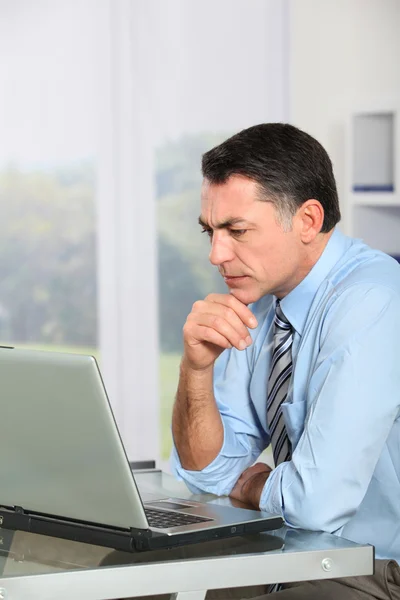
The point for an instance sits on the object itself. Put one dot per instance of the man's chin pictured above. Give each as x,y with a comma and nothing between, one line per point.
245,296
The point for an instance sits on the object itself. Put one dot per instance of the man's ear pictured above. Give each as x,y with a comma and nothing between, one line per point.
310,219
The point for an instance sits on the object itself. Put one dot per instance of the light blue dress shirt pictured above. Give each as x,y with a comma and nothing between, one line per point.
342,412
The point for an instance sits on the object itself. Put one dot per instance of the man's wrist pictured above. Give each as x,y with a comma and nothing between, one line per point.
189,369
253,488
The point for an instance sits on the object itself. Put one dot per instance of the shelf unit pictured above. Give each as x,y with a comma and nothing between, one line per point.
373,175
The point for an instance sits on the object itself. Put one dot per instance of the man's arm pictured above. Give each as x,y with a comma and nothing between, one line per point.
353,401
197,425
219,322
249,486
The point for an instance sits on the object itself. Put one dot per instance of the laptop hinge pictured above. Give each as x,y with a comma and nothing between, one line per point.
19,510
141,533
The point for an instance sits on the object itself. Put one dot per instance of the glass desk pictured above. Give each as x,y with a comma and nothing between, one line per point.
38,567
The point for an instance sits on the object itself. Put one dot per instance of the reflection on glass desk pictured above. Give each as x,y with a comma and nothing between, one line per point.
43,568
23,553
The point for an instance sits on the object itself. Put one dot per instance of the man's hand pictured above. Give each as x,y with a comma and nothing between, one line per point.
220,321
250,484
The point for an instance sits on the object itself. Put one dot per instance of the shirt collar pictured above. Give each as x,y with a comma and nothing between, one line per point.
297,303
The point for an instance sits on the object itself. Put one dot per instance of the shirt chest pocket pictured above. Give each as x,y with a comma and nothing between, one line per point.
294,415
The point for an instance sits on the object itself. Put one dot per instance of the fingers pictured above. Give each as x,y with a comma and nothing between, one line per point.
224,315
213,327
242,311
217,323
254,470
210,335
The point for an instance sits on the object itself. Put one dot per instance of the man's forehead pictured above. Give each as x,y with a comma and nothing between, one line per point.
230,221
234,202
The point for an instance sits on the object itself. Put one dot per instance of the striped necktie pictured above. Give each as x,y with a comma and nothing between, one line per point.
278,385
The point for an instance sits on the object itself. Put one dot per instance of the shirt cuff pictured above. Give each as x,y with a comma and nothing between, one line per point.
219,477
271,499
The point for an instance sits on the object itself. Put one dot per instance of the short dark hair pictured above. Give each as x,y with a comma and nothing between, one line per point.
289,165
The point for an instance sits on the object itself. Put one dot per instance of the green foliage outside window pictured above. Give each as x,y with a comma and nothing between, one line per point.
48,257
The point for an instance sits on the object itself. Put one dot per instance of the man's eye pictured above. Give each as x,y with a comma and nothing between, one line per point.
209,232
238,232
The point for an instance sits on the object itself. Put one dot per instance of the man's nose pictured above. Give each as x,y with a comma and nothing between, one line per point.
220,250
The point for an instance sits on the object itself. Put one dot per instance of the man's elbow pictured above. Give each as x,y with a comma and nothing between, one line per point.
315,514
193,459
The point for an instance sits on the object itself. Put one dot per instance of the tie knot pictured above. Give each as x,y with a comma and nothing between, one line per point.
280,319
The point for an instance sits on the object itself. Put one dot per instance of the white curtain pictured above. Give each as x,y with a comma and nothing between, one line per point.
168,69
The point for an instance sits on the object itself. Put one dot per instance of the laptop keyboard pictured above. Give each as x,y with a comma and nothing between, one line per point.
162,519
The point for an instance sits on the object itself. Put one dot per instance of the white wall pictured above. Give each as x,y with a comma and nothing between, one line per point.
343,54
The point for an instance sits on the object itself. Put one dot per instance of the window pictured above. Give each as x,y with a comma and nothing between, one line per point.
106,108
48,291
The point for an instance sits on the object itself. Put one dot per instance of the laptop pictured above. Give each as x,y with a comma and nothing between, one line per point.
64,471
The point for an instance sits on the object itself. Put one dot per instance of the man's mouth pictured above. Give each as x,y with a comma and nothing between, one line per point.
234,278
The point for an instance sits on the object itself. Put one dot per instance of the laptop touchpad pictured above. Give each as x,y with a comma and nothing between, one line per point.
149,497
171,505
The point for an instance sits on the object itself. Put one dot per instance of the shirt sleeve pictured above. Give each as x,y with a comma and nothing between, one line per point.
244,439
353,399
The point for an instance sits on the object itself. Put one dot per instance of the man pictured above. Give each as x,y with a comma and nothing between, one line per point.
303,353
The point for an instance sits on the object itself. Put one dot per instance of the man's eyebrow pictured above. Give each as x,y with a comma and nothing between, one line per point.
228,223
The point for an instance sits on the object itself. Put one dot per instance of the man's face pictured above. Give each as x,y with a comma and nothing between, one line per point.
248,245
